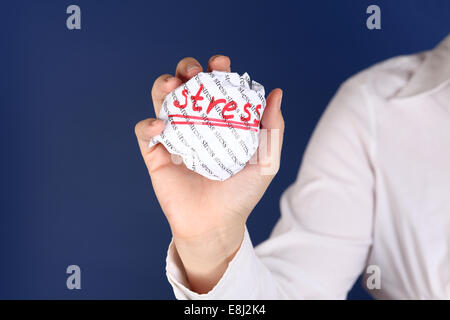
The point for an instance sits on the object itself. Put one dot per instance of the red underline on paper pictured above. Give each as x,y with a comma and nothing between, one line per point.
215,124
214,120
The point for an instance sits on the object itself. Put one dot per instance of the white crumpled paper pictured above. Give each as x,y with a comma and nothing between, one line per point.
212,122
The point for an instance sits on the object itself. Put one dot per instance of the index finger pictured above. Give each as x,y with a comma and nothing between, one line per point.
161,88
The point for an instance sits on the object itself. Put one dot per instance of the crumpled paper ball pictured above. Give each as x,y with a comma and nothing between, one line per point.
213,122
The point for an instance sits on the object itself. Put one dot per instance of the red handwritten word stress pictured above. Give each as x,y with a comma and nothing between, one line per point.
227,113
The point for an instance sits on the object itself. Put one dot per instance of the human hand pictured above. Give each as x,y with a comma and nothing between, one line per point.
207,217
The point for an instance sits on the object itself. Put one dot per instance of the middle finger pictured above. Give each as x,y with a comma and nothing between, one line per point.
187,68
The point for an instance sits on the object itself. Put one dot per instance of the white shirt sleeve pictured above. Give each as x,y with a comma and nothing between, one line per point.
320,244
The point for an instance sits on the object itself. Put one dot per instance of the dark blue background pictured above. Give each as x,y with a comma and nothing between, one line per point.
74,189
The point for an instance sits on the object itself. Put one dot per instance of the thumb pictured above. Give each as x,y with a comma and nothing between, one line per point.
272,117
271,135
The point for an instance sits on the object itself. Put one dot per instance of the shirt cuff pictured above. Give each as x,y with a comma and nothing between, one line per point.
234,283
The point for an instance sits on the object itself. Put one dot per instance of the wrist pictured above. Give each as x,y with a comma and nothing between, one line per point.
205,259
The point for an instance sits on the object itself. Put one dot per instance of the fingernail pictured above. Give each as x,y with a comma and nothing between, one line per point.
192,67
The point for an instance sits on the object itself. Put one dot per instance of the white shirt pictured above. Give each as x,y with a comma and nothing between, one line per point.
373,189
